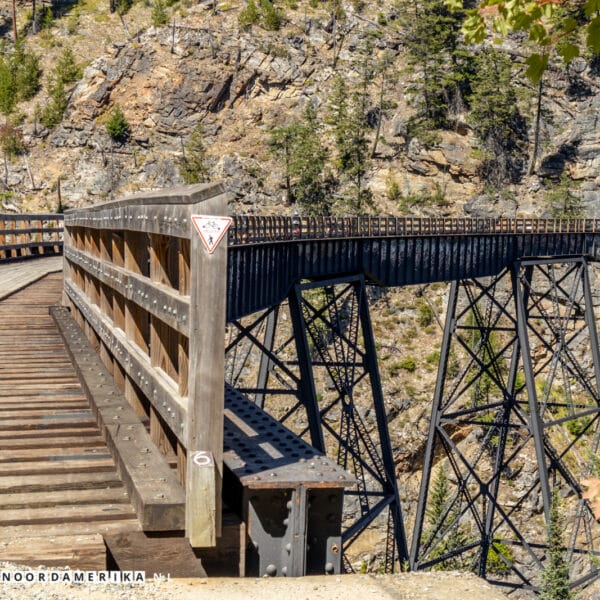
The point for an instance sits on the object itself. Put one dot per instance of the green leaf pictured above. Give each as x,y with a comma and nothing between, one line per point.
593,35
537,64
454,5
568,52
539,34
569,25
591,7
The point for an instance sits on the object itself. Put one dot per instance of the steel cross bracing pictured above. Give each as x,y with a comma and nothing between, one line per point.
515,421
324,334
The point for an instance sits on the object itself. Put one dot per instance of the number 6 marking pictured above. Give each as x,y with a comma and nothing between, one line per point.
202,458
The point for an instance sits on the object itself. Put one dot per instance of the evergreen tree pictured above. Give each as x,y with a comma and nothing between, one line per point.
495,118
66,68
562,201
555,576
443,517
348,116
54,110
117,126
8,88
27,72
19,77
434,51
159,14
193,165
299,147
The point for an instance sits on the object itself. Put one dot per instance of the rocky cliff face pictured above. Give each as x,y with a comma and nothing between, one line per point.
239,84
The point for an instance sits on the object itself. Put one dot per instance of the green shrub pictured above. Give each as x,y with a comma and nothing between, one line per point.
408,364
270,16
424,313
159,14
495,564
66,68
117,126
54,110
11,141
27,72
193,166
248,16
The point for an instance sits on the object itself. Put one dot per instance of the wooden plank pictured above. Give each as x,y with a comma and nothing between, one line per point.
137,366
161,301
206,395
85,552
49,499
228,558
137,551
165,212
16,276
76,513
59,481
75,528
153,488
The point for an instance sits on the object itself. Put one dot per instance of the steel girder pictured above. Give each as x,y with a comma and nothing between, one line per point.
324,333
515,421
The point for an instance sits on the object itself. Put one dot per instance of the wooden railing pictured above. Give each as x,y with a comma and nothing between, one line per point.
151,300
257,229
28,235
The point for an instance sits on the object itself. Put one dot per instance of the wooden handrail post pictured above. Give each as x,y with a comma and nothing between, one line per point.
204,475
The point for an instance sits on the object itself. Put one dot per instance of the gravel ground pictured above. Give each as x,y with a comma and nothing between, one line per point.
405,586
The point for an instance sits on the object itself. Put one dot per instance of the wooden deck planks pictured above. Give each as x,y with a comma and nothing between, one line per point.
59,489
15,276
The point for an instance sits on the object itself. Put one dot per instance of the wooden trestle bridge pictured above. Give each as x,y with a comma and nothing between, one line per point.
136,434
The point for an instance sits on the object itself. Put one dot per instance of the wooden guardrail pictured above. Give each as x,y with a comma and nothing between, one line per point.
27,235
257,229
151,299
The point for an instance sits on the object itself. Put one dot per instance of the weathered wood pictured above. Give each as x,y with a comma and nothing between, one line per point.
137,366
57,475
205,388
163,303
85,552
137,551
228,557
153,488
164,212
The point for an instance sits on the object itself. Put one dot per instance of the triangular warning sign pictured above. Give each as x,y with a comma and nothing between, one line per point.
211,229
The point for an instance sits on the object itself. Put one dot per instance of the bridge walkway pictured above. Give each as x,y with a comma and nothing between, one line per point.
59,487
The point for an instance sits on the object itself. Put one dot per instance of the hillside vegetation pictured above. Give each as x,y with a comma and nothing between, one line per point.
335,107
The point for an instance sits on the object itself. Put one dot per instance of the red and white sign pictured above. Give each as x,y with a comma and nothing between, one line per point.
211,229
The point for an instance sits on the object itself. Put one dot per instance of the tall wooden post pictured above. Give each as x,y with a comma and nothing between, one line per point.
208,288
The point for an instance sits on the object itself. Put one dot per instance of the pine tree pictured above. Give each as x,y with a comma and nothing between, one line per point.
193,167
117,126
434,51
443,517
555,577
495,118
54,110
348,116
300,148
66,68
563,201
159,14
8,88
27,72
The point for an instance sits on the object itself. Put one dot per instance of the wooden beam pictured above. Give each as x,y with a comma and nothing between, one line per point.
206,384
153,488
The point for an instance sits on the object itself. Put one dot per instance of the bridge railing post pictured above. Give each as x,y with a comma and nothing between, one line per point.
149,293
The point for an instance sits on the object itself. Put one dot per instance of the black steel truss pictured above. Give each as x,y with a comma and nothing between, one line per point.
515,420
325,334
